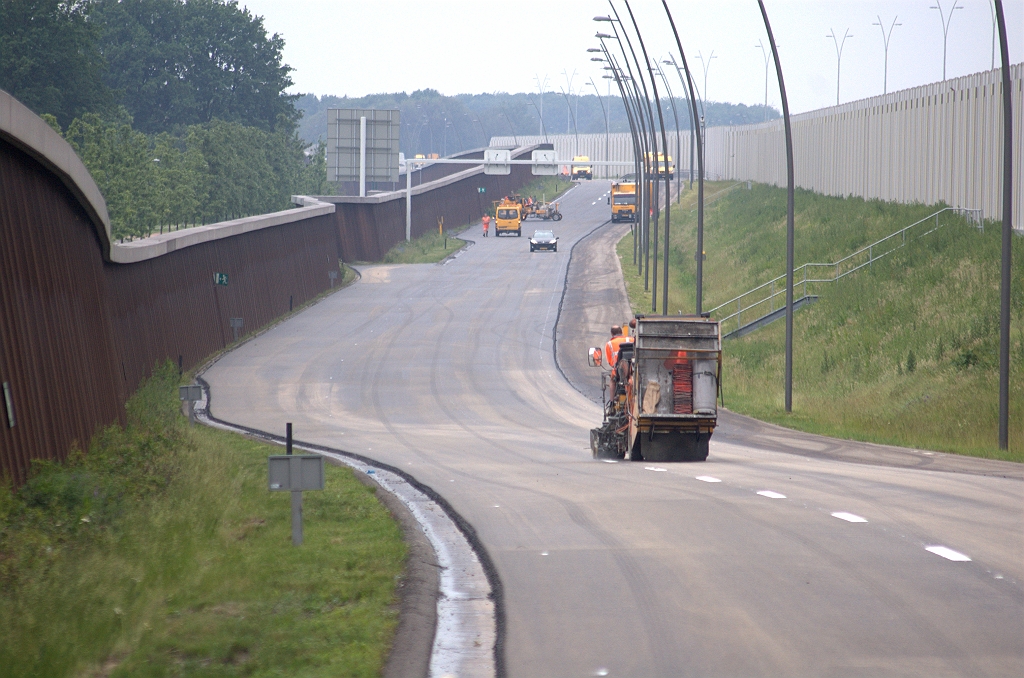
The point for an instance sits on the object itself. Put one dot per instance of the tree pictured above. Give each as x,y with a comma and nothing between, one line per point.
176,64
49,59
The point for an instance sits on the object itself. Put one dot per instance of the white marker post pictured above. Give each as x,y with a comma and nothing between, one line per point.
362,157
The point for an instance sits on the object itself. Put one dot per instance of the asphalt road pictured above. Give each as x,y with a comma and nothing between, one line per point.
630,569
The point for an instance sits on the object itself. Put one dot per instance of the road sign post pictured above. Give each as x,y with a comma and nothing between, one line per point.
190,394
295,473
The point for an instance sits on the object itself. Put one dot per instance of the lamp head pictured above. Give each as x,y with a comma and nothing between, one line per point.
594,49
603,18
602,36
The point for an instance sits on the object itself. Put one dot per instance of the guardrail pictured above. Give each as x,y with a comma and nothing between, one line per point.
763,300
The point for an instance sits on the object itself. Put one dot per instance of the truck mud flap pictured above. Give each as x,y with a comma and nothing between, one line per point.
671,446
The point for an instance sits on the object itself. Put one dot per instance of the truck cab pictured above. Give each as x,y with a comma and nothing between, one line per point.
623,201
582,171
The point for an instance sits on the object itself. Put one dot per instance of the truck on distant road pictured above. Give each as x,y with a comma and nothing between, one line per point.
623,201
661,400
582,171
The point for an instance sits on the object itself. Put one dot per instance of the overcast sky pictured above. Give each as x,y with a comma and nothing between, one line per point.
359,47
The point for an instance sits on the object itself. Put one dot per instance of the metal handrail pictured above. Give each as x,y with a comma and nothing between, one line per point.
843,267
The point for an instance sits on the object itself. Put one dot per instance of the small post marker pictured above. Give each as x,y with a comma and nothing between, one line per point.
295,473
190,394
236,325
333,275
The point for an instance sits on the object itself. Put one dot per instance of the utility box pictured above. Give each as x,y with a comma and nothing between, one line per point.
295,472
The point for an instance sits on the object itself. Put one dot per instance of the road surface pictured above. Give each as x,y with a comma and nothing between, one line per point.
783,554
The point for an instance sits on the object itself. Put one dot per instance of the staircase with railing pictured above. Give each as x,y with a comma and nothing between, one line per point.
765,303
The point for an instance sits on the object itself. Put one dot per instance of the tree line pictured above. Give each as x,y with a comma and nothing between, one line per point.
435,123
209,173
178,109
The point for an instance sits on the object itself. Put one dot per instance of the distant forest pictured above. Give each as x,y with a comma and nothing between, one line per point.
433,123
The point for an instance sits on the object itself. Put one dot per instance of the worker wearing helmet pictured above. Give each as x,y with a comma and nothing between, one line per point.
487,223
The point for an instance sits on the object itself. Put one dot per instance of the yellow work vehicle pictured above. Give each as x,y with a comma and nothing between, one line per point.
508,217
662,166
623,201
581,171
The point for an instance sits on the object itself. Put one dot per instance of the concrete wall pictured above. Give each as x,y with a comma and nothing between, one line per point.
83,319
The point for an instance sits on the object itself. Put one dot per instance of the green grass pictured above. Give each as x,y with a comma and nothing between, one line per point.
161,553
903,353
435,246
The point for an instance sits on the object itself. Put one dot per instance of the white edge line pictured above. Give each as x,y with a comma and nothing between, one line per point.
948,553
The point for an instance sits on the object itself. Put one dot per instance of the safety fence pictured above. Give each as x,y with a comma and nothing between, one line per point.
83,320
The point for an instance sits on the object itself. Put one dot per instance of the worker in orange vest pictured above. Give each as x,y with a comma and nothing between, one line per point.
611,349
487,223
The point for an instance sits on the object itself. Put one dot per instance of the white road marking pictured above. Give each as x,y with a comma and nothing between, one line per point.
654,468
849,517
610,461
771,495
708,479
948,553
543,553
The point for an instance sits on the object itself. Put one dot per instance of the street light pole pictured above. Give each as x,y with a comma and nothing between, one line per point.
541,86
675,115
604,112
1004,274
647,126
691,109
789,211
946,20
634,134
707,66
885,41
658,170
699,254
839,55
767,62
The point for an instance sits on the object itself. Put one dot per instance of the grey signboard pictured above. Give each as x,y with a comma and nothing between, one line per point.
293,473
343,144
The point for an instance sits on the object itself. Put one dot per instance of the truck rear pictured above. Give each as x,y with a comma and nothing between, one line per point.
623,201
663,399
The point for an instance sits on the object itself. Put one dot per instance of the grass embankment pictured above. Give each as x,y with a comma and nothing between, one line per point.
432,247
904,353
162,553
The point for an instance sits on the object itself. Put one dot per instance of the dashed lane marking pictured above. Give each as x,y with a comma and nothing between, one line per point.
655,468
708,479
948,553
771,495
849,517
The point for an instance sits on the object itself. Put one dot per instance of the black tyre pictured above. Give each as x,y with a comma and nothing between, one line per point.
555,248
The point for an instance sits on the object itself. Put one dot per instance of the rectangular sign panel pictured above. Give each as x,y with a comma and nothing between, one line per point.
290,472
343,138
550,166
496,161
